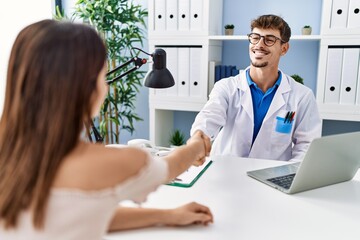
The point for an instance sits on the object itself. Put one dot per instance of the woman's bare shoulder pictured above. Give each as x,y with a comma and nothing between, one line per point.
95,167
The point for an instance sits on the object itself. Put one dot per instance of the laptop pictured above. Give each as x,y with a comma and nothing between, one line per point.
329,160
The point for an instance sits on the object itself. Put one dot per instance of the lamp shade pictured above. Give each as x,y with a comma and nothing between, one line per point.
159,76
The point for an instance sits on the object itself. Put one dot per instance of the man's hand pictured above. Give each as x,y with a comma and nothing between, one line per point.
200,136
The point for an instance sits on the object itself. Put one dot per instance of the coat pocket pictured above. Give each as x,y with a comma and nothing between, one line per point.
281,134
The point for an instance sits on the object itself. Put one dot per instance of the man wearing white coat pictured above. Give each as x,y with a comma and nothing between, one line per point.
262,112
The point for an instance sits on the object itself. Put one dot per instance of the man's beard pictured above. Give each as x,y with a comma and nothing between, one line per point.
260,65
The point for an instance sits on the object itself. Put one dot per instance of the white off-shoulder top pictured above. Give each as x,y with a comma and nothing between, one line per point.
86,215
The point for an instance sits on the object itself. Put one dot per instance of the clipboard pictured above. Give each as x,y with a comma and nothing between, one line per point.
190,176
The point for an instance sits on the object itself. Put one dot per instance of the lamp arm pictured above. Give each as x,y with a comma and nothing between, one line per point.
138,63
121,66
98,137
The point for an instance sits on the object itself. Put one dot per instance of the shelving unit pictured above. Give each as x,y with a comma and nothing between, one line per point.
338,86
208,37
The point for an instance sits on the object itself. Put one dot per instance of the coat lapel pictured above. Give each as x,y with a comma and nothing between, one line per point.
245,93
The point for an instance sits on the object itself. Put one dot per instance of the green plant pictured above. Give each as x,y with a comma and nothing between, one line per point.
298,78
177,138
120,23
307,26
59,14
229,26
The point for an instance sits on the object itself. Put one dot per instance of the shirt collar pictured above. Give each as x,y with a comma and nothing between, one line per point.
252,83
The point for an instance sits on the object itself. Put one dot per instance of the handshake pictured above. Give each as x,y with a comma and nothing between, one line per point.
198,141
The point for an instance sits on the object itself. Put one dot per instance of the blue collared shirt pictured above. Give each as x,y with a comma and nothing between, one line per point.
261,101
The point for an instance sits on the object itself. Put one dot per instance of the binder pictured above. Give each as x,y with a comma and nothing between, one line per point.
184,15
222,71
228,70
196,84
333,75
184,71
339,13
151,18
172,66
217,73
196,14
354,14
234,71
159,12
349,75
189,177
171,15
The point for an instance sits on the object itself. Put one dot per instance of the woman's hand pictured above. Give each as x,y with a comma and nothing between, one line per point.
195,151
204,144
191,213
132,218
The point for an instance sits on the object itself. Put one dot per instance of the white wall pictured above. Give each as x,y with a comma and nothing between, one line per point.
14,16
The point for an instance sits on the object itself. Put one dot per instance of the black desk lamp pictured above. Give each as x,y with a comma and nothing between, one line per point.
158,77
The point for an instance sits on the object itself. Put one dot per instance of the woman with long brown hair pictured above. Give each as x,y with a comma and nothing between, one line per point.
54,185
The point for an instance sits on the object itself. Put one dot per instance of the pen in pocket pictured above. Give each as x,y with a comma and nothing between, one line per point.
289,117
292,116
286,117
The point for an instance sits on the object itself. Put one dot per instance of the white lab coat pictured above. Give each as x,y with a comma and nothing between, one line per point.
228,118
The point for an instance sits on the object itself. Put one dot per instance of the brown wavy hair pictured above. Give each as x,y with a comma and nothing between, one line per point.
273,22
51,78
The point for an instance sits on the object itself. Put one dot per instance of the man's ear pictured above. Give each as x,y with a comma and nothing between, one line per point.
284,48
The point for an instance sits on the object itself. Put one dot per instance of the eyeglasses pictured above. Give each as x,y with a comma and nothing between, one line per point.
269,40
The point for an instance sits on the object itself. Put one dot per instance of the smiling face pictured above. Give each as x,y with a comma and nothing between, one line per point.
262,56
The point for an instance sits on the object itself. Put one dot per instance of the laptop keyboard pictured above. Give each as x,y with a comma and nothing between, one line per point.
283,181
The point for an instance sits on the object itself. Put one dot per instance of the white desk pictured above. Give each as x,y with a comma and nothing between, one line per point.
246,209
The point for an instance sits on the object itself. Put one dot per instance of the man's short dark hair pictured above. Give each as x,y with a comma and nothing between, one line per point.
273,22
